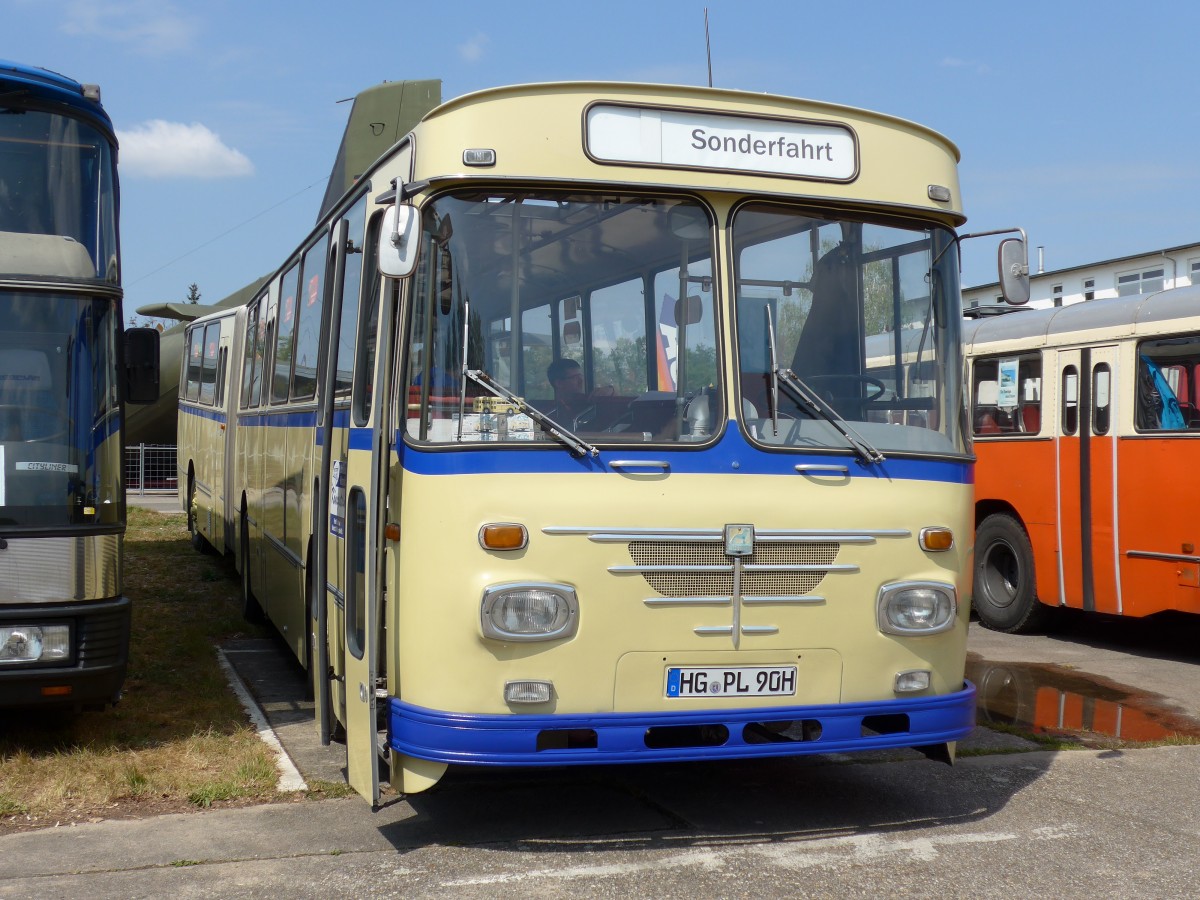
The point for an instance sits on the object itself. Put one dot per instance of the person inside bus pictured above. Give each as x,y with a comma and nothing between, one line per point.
574,406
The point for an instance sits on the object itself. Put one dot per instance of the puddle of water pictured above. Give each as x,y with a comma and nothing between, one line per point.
1050,700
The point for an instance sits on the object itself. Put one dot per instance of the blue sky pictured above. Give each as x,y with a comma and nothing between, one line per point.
1077,121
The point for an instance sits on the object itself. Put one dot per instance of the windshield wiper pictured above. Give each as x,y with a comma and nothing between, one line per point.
573,442
811,401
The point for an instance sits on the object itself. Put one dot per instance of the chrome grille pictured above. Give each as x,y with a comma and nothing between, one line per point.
805,564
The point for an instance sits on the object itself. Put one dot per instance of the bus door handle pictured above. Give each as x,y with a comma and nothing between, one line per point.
660,464
822,469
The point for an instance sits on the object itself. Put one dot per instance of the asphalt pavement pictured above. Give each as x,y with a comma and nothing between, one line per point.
1008,819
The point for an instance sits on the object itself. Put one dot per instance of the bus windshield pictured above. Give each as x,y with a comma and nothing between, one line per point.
59,437
57,191
597,310
861,314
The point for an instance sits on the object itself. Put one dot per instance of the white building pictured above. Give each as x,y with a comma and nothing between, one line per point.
1138,274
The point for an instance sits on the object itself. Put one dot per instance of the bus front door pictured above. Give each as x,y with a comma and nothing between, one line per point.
346,614
1087,473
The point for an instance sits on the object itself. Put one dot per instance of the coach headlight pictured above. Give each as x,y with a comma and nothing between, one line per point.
529,612
916,607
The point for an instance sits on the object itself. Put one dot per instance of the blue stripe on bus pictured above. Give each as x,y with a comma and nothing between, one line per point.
283,419
732,455
215,415
512,740
360,438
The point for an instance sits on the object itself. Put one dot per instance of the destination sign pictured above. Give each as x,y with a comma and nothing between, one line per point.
670,137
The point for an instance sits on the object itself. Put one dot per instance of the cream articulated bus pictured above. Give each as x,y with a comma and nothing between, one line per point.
556,442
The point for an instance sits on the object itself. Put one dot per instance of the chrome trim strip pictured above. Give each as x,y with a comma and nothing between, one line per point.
851,535
796,599
832,568
801,567
1167,557
688,601
636,570
640,464
759,629
714,630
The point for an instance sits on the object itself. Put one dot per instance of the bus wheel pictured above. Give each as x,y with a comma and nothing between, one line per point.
251,610
1005,592
199,542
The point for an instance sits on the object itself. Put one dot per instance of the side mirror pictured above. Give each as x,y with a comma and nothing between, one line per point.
141,365
397,251
1014,271
689,311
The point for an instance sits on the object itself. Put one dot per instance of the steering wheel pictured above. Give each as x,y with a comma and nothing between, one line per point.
867,380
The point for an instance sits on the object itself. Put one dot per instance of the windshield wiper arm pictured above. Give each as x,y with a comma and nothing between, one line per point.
574,443
814,404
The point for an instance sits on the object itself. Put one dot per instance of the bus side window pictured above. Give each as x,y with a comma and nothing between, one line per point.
195,360
1070,400
1101,398
986,394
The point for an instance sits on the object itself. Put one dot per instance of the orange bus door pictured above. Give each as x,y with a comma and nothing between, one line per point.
1087,467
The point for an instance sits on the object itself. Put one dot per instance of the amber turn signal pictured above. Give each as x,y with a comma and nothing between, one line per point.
937,539
503,537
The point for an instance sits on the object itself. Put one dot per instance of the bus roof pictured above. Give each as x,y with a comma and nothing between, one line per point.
547,130
53,88
1081,322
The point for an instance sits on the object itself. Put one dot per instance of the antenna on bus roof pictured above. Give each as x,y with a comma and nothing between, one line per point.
707,46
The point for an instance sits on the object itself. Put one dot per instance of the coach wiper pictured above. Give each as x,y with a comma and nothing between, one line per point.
574,443
812,402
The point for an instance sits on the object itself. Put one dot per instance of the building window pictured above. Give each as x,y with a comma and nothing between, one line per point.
1144,282
1089,289
1195,271
1056,290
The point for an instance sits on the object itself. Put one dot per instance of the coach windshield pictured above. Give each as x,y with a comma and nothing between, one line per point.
860,317
57,188
60,445
599,311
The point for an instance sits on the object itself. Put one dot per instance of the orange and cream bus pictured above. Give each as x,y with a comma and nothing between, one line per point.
556,442
1086,433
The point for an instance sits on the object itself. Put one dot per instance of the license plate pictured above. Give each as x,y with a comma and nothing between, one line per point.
735,681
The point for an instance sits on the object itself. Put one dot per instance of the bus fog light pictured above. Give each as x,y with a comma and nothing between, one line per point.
914,680
529,612
916,608
528,691
31,643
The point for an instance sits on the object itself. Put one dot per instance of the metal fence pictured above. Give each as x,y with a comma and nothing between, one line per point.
150,469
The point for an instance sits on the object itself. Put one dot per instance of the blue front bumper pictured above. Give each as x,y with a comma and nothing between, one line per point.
558,740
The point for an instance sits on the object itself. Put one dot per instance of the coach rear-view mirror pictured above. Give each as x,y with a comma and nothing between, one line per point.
141,365
689,311
1014,271
398,241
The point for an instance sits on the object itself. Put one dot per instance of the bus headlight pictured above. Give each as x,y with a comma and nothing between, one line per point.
916,607
34,643
529,612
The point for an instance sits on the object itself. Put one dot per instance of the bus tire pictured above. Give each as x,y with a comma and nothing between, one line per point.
1005,590
252,611
199,542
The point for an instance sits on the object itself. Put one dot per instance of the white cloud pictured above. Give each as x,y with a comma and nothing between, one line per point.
472,49
954,62
150,27
159,149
